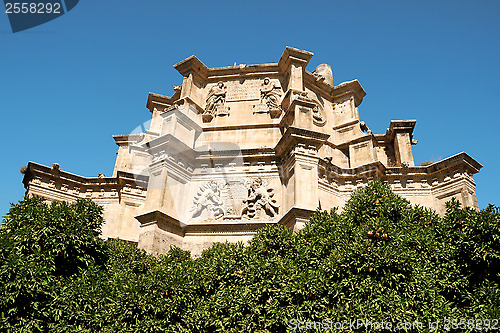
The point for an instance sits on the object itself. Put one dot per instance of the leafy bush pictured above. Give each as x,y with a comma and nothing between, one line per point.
42,247
380,259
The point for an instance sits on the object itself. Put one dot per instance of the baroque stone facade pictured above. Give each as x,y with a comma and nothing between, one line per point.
237,148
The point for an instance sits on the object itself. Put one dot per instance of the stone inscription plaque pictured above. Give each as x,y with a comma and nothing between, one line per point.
243,90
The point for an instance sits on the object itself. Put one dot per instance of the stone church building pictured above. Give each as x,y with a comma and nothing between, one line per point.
240,147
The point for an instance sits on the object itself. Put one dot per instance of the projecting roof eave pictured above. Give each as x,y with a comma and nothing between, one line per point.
191,64
473,165
453,162
159,101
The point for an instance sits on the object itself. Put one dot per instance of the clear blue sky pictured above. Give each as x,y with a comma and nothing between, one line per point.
70,84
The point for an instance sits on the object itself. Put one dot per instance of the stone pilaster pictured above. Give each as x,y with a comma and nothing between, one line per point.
158,195
195,76
298,149
402,133
293,62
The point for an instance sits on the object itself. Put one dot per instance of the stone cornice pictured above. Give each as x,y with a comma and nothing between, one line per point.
183,118
294,97
359,171
190,103
460,158
291,54
192,65
401,126
231,153
127,139
350,87
294,215
242,70
452,162
295,135
332,93
240,127
171,224
225,227
160,100
162,220
169,143
365,137
36,170
173,146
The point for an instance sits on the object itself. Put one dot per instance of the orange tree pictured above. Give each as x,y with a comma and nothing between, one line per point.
42,248
379,260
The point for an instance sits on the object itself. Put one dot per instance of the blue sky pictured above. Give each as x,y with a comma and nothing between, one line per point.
67,86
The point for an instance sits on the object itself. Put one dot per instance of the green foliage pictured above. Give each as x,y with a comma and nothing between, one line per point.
41,248
380,259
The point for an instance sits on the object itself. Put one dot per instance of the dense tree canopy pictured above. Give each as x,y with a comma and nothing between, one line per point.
380,260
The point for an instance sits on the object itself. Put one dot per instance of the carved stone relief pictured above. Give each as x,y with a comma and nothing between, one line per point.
235,200
270,99
207,203
215,102
260,200
233,195
319,118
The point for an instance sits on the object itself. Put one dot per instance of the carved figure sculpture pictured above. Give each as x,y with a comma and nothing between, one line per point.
208,198
270,94
260,198
318,117
216,96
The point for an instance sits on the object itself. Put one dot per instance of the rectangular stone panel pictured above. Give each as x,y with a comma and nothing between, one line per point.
243,90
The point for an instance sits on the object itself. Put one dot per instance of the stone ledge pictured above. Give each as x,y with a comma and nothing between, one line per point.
296,218
170,224
295,135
